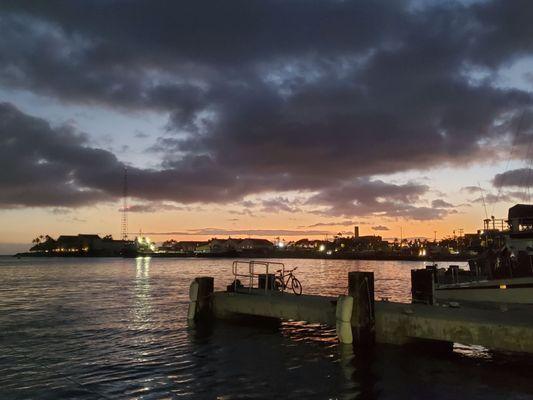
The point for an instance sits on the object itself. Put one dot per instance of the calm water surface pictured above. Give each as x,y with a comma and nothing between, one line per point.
117,328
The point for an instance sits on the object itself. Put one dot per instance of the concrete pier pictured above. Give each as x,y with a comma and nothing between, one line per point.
399,323
314,309
392,323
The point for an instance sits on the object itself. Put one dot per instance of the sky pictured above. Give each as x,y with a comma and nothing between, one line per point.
263,118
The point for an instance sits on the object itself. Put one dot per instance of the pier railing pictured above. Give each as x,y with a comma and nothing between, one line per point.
267,270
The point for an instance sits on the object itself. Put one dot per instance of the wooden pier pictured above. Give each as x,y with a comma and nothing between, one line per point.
359,318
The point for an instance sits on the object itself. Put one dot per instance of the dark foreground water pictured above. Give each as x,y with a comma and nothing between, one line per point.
117,328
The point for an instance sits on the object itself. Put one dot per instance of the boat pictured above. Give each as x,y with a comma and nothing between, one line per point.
502,273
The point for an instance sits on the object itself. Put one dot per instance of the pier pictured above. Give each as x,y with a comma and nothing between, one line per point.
358,317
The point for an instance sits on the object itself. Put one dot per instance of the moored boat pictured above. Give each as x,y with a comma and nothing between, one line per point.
502,273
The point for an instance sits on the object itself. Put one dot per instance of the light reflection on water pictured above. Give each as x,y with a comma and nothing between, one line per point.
116,328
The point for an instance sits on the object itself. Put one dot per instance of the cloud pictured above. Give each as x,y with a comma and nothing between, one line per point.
503,197
380,228
262,96
154,207
439,203
140,135
471,189
243,232
56,167
61,211
44,166
336,223
279,204
521,177
365,197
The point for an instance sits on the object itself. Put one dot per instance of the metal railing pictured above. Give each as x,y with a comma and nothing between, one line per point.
252,274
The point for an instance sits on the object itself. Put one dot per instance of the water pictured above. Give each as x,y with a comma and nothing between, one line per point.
117,328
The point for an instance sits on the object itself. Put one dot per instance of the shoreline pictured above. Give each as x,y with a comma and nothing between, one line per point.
261,255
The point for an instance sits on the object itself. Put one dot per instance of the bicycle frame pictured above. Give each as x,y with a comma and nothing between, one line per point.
284,282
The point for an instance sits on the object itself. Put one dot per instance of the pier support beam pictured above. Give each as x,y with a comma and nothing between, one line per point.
361,288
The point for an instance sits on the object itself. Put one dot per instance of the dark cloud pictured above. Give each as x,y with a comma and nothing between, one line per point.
44,166
521,177
279,204
366,197
439,203
380,228
503,197
61,211
154,207
263,96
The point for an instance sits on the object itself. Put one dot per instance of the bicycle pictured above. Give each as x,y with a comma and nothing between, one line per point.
283,281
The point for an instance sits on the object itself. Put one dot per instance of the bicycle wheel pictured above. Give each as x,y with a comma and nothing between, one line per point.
296,286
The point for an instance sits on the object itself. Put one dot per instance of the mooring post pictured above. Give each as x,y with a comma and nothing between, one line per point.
201,298
423,286
361,288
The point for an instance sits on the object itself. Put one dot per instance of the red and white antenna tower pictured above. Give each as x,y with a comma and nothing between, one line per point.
124,219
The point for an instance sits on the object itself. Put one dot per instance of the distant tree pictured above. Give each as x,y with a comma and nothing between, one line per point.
108,238
42,239
43,242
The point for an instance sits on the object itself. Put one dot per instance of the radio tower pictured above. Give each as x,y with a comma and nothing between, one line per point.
124,220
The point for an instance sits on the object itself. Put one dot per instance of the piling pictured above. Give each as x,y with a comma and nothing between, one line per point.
361,288
201,298
423,286
343,316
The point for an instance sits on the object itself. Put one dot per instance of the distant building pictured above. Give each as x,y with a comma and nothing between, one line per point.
219,246
370,242
173,246
222,245
306,244
254,244
356,232
189,246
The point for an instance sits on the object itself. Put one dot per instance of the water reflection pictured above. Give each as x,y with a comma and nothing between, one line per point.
142,306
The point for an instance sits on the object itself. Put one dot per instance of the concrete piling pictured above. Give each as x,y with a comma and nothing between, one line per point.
343,316
361,288
423,286
193,300
201,298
